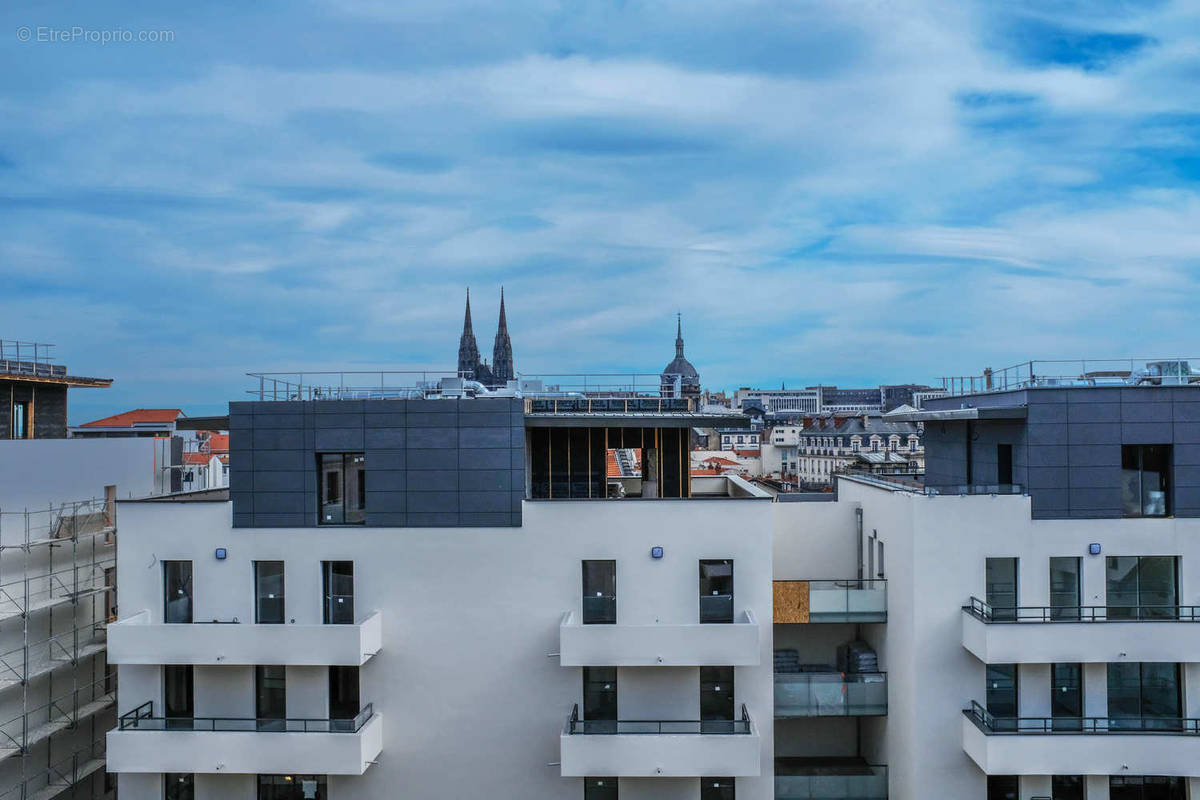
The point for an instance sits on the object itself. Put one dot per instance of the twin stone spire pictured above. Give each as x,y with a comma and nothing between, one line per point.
472,367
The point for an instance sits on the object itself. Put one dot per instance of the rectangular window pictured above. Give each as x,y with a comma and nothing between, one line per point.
1146,787
1002,695
600,699
716,700
600,789
1146,480
1142,587
1064,588
268,592
1002,787
1004,464
716,591
1066,787
1002,588
343,488
177,591
343,697
599,592
21,429
291,787
717,789
1144,696
337,586
179,786
270,697
178,697
1066,696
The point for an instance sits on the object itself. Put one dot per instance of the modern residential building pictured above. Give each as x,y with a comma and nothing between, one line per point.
442,591
33,391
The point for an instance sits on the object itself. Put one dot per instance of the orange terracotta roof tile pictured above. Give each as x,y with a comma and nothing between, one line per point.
139,416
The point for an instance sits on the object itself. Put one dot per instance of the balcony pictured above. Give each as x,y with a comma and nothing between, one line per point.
829,779
850,600
660,645
136,640
1081,745
660,748
830,694
1087,634
143,742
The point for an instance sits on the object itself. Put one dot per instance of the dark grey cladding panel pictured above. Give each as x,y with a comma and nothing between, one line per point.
1041,456
1187,476
339,407
373,421
433,519
1094,433
388,519
1051,503
492,458
277,439
284,460
429,458
431,502
320,421
1053,413
1187,501
515,500
485,520
517,459
1185,412
1088,395
279,503
1094,477
1048,478
269,421
1147,432
278,481
484,437
1147,412
1187,454
1041,434
484,480
428,419
433,480
1150,394
1096,501
1094,455
435,438
385,480
388,460
1187,432
1043,397
385,502
385,438
475,502
1093,412
339,440
490,419
282,521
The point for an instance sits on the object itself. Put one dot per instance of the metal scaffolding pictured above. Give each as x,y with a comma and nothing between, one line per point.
57,594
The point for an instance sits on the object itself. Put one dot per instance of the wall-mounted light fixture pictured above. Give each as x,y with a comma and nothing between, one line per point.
656,552
220,554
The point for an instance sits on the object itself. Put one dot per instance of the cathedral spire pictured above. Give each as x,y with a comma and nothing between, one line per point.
678,335
502,355
468,350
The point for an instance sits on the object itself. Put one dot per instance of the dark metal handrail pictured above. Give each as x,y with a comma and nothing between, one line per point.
1110,613
142,718
658,727
1170,726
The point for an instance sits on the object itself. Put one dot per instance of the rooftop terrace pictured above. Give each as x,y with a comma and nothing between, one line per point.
1120,372
34,361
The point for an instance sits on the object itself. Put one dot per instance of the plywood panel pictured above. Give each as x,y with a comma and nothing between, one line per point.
791,601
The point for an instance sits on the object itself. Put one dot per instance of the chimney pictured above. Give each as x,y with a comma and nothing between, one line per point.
987,377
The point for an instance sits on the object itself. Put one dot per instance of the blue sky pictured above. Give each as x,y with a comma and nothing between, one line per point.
849,191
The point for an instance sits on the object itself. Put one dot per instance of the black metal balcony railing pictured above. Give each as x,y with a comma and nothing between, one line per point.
657,727
976,488
1114,613
991,724
142,718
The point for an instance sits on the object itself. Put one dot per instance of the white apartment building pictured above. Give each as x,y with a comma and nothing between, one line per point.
436,597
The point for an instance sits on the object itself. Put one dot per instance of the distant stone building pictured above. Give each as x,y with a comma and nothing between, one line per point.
679,378
472,367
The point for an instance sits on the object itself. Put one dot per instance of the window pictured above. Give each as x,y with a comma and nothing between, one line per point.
599,592
1066,787
1064,588
716,700
178,696
343,488
292,787
717,789
21,429
600,699
1142,587
1002,588
270,697
599,789
1066,696
1002,787
1146,787
1004,464
1002,695
337,586
716,591
268,592
343,697
1146,480
179,786
177,591
1144,696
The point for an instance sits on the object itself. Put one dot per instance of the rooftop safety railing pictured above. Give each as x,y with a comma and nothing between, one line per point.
657,727
899,483
991,724
142,719
1082,372
29,359
1110,613
341,385
830,694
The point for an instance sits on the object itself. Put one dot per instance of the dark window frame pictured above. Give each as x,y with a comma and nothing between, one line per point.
599,592
340,476
1134,467
719,608
271,609
335,610
180,613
